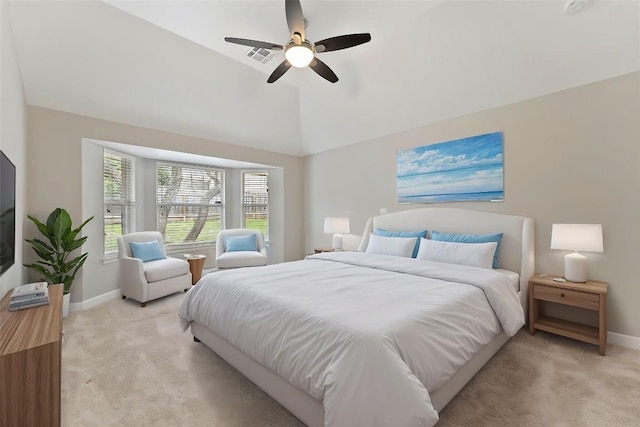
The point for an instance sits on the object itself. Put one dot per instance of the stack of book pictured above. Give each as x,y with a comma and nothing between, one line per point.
29,295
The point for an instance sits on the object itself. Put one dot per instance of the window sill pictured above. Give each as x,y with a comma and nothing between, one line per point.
182,248
109,259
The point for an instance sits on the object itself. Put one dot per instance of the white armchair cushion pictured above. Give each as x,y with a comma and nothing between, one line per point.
155,271
241,259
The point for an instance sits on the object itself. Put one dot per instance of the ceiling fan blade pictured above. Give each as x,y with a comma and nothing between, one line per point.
279,71
342,42
323,70
295,18
253,43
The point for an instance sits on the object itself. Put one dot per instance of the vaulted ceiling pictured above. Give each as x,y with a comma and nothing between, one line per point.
165,65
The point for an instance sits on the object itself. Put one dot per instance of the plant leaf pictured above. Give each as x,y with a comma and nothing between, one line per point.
40,269
41,249
46,263
51,219
80,264
71,264
75,232
61,225
41,227
67,281
74,244
82,225
42,243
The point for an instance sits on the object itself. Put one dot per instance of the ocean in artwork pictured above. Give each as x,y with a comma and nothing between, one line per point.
467,169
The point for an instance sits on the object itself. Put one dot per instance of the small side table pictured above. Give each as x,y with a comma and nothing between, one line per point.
591,295
320,250
196,263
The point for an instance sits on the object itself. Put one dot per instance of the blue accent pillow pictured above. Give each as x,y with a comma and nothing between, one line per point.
147,251
417,234
471,238
240,243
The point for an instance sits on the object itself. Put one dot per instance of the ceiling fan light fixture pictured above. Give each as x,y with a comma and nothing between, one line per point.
300,52
300,55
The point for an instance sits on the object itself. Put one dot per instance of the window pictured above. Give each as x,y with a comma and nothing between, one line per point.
189,203
119,198
255,201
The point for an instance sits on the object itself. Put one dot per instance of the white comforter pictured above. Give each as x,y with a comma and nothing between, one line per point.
368,335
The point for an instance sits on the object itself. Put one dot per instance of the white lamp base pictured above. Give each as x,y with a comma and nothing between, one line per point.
336,242
575,267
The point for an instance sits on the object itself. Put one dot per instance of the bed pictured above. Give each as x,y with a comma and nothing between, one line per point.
354,338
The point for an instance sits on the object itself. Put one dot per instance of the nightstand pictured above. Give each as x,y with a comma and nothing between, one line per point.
591,295
320,250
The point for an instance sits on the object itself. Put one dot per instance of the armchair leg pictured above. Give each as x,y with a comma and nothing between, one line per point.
143,304
186,290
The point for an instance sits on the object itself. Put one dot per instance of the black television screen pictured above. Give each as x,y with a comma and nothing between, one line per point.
7,213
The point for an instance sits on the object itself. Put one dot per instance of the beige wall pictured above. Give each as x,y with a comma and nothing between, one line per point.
570,157
55,158
13,141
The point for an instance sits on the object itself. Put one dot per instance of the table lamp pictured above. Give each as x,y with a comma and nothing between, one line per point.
576,237
337,226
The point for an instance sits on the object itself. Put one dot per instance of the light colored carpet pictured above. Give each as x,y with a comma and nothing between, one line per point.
123,365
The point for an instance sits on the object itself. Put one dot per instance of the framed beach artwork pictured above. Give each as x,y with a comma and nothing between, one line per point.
462,170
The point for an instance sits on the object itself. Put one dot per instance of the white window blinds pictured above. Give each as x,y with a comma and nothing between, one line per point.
119,198
189,203
255,201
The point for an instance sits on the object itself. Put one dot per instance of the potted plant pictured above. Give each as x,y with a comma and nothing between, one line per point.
54,251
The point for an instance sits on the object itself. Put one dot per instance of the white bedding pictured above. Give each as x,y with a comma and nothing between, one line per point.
514,278
368,335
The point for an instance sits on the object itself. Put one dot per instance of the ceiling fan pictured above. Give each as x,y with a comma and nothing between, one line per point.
300,52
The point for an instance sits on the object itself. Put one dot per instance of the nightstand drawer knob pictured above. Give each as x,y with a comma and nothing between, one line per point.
562,295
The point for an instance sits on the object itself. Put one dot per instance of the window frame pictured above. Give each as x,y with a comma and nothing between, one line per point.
128,226
242,196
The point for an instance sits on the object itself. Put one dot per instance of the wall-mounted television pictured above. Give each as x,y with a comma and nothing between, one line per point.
7,213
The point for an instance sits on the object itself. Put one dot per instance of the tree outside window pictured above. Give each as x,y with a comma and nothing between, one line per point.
189,203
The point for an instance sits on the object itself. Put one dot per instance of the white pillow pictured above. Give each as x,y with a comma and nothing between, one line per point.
396,246
473,254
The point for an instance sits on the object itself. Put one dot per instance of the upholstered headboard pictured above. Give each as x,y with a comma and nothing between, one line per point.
517,247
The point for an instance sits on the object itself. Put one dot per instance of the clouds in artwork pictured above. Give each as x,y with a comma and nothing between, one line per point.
468,166
482,150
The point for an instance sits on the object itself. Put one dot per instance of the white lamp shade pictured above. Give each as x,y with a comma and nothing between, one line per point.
577,237
336,225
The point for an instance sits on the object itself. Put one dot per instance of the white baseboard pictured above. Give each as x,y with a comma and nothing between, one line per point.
92,302
622,340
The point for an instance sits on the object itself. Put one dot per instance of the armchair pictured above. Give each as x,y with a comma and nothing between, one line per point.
146,281
235,259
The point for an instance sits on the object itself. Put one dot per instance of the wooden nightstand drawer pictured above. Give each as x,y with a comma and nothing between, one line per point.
567,297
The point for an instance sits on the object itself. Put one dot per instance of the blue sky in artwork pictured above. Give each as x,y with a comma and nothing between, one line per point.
468,165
